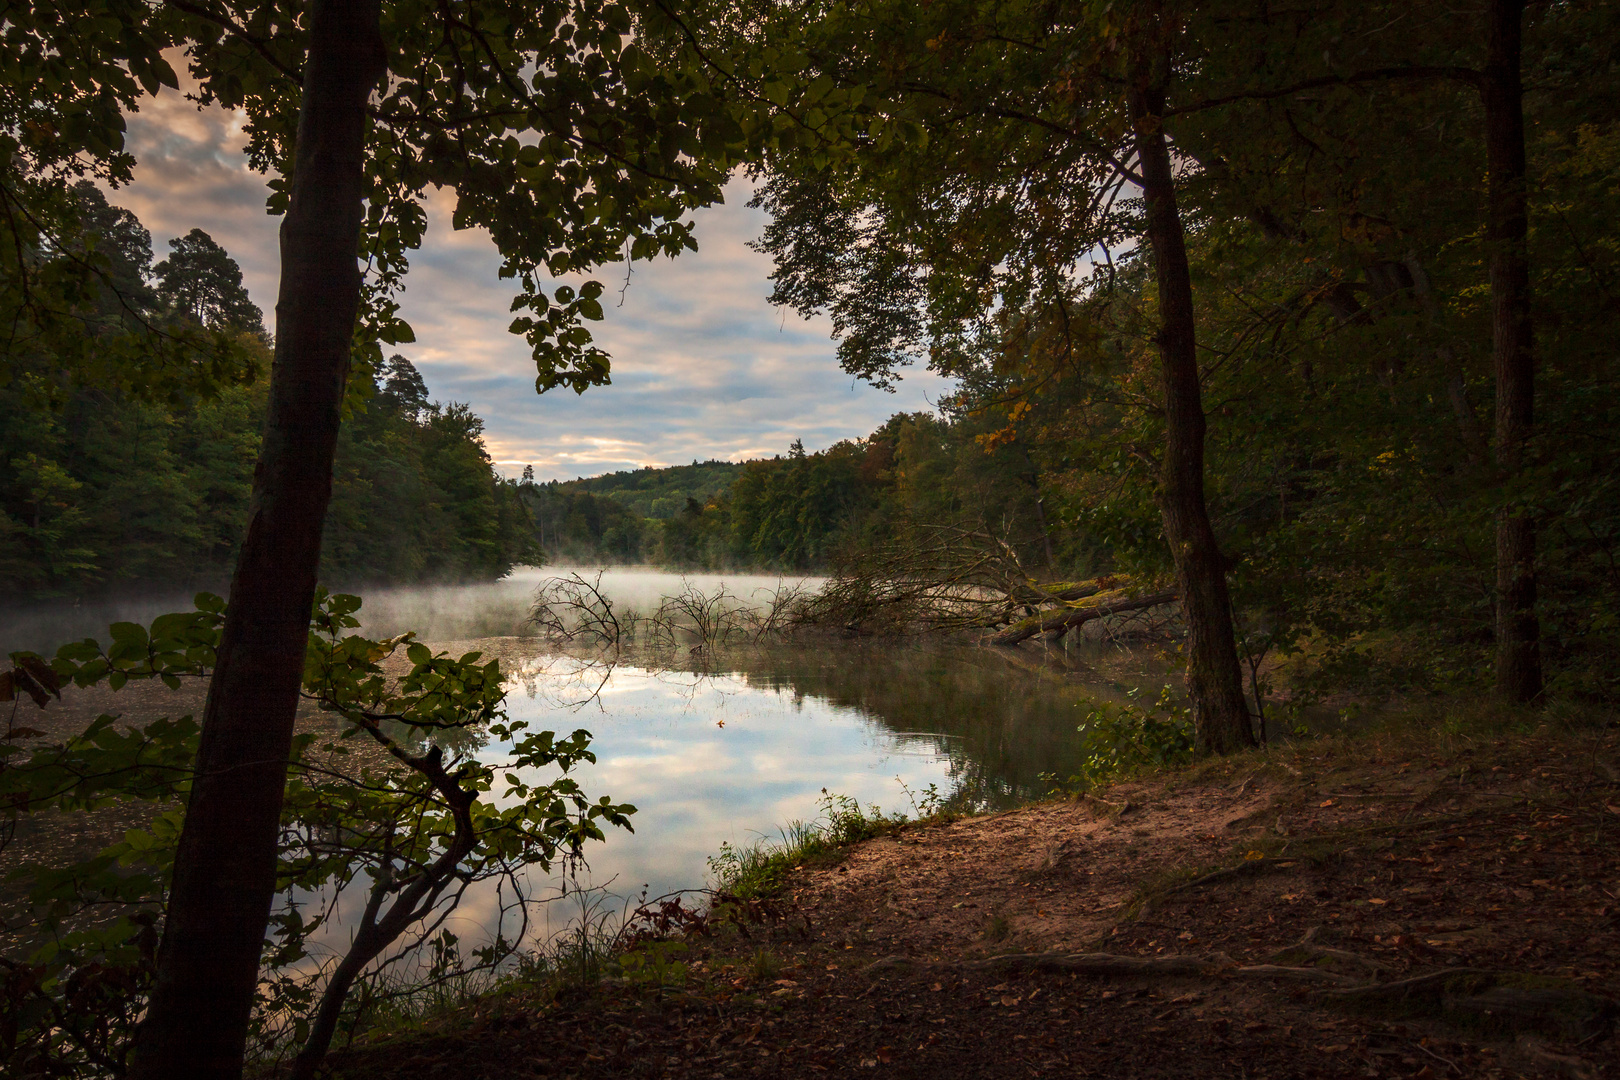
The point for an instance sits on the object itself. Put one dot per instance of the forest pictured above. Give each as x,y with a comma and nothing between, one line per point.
103,492
1295,325
1345,291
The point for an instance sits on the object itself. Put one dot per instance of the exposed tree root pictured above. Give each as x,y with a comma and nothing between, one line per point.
1500,1000
1106,808
1110,965
1242,870
1308,952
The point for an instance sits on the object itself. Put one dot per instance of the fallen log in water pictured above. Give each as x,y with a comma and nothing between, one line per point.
1055,619
1064,590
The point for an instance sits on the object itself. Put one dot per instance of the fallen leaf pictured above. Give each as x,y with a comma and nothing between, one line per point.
1375,900
1009,1001
1326,802
1252,855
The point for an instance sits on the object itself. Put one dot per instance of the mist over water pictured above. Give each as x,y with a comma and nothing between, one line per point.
45,627
436,613
500,609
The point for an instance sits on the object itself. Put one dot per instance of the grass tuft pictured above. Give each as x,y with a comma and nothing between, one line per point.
761,869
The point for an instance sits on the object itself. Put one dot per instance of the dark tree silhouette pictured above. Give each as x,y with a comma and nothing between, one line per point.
200,281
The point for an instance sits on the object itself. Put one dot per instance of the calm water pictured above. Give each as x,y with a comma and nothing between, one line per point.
730,755
730,747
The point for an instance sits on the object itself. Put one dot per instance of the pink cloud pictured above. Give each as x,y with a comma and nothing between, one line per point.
703,366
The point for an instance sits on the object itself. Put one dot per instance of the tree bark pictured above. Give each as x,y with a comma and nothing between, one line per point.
225,867
1214,680
1518,647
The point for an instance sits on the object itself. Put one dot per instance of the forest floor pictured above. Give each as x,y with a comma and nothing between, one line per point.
1429,904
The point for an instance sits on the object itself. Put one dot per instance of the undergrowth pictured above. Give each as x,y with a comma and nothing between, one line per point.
1128,739
760,869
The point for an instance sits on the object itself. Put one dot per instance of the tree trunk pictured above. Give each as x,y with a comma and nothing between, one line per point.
1214,680
1518,647
225,868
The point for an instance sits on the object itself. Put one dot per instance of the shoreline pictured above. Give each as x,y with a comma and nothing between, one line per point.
1262,915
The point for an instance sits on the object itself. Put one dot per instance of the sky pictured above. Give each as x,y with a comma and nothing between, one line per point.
703,366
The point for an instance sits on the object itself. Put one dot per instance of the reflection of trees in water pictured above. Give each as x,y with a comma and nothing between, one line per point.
999,720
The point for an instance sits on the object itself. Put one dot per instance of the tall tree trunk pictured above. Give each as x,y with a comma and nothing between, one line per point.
1518,647
225,868
1214,679
1034,477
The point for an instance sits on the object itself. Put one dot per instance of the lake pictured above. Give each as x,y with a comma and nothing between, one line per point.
728,746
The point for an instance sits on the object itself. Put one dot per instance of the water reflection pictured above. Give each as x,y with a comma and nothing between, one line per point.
728,748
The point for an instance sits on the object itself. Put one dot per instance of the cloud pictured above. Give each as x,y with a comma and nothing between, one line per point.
703,366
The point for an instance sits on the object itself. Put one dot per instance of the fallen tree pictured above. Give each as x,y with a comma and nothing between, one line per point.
934,578
1072,614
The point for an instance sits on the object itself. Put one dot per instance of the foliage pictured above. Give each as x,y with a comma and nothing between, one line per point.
760,869
111,493
413,827
68,299
813,511
103,488
1131,737
661,492
416,496
201,282
577,526
1334,203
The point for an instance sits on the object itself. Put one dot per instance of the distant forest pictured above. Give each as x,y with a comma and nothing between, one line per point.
810,511
102,492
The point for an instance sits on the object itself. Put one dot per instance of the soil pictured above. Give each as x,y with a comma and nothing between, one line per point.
959,949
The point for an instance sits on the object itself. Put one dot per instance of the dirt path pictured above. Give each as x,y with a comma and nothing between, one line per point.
1228,922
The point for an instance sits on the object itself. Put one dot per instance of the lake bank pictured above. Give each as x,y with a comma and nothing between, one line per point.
1322,866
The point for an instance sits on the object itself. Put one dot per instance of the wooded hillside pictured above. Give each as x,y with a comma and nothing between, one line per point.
103,490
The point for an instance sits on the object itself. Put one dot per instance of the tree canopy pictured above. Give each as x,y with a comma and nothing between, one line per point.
201,282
